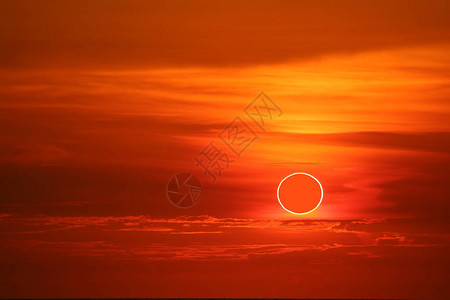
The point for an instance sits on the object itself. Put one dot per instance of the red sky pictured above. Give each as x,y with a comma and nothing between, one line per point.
101,103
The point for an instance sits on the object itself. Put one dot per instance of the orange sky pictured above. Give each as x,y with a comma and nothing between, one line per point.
101,103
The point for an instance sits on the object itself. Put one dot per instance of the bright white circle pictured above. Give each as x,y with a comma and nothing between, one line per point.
300,173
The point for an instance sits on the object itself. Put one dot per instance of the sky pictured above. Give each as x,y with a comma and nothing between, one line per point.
102,103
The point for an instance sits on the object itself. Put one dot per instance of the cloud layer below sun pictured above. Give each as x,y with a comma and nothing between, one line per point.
150,251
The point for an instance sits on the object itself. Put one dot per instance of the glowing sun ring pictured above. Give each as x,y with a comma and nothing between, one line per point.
300,173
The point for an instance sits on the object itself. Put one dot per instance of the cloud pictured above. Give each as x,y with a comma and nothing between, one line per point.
419,141
36,155
221,33
285,253
390,240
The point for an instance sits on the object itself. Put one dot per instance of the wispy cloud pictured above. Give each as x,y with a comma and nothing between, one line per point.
236,238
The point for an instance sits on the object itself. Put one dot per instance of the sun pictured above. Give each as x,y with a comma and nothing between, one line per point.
300,193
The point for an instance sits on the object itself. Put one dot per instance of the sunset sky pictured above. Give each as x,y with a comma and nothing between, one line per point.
102,102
